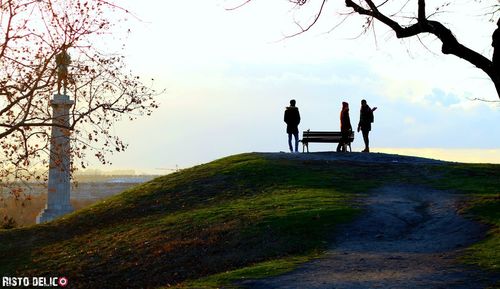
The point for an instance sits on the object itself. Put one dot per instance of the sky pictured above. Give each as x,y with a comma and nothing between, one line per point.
228,76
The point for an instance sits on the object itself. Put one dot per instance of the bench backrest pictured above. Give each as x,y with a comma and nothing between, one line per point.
324,136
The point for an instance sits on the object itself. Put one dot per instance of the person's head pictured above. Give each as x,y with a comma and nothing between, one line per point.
345,105
292,102
498,22
363,102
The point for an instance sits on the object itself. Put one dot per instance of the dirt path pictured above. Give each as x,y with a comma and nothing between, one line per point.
409,238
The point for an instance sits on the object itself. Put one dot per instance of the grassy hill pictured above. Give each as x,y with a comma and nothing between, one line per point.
248,215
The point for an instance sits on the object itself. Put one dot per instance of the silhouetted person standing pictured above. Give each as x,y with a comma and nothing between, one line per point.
496,47
365,123
292,120
345,127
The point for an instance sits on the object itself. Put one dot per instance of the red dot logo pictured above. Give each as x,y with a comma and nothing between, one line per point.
63,281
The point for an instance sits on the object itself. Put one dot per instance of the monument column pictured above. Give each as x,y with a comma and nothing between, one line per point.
58,195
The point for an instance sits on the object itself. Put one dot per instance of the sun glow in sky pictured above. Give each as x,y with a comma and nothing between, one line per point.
228,76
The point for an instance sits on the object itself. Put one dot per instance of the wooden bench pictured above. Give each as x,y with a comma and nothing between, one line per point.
323,137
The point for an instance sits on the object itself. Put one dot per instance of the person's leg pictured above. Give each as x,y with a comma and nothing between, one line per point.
345,140
290,142
339,146
296,136
366,140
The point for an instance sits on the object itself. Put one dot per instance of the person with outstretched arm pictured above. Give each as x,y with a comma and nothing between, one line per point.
365,123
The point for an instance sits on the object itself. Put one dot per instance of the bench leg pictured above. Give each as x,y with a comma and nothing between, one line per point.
305,146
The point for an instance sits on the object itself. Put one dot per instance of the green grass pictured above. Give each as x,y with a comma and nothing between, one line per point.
481,182
487,252
245,216
229,279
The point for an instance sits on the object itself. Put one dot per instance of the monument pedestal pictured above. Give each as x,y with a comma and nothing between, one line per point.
49,214
59,187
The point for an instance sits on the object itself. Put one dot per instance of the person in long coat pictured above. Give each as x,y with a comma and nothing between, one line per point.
292,120
345,127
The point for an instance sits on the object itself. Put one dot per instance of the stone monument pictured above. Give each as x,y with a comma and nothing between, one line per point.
58,194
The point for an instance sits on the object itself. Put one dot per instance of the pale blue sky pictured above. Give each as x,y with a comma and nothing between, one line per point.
228,76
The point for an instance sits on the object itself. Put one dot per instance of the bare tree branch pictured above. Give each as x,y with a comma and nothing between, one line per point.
238,6
310,25
450,44
421,10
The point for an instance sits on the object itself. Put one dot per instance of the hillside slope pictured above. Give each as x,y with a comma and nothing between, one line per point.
233,213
